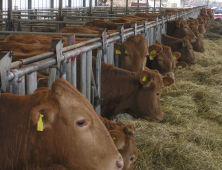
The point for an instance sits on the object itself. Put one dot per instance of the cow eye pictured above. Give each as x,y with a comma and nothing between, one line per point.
174,68
81,123
159,59
190,48
131,158
185,27
125,54
157,94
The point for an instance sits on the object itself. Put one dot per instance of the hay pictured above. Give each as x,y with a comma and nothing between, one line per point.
190,136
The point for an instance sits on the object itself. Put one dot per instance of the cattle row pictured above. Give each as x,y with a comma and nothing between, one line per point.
58,128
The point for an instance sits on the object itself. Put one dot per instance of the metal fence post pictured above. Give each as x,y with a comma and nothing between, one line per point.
21,86
88,74
110,53
134,26
71,41
145,33
155,29
31,82
52,76
83,74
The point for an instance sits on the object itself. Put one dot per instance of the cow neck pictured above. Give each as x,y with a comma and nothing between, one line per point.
119,83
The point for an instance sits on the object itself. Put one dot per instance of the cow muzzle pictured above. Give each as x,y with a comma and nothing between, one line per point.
170,74
119,164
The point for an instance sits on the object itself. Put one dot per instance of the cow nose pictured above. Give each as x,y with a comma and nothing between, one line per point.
193,63
119,164
170,75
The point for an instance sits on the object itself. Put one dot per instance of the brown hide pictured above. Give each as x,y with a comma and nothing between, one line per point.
179,29
198,45
129,150
183,46
134,52
200,23
123,91
127,19
73,136
163,62
124,139
83,30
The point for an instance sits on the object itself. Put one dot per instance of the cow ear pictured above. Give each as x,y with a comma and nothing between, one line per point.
42,116
117,48
176,55
154,50
157,42
167,81
181,65
129,129
145,78
178,23
119,139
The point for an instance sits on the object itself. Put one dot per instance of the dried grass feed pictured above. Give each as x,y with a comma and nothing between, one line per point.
190,136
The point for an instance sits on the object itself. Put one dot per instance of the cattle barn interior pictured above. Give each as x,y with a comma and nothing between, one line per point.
89,43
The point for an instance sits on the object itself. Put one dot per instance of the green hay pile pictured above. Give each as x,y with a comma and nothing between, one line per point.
190,136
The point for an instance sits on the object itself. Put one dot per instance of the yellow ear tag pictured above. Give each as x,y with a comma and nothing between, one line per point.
114,139
188,23
145,78
153,53
118,52
200,24
151,57
40,123
180,66
174,57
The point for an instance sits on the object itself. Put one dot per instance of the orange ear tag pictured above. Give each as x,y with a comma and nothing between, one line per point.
40,123
114,139
118,52
180,66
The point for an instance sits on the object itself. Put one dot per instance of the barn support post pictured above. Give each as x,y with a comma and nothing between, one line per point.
88,74
111,7
69,3
9,22
84,3
83,74
147,4
51,3
29,4
134,26
90,7
102,34
138,4
60,16
31,82
127,5
154,6
160,6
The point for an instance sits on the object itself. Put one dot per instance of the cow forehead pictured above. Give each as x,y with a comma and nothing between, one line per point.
140,48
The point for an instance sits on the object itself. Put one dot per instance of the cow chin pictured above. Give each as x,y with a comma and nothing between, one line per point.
193,40
154,119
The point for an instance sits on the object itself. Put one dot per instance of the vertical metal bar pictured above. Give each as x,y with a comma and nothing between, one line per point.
29,4
83,74
127,4
110,54
111,6
88,74
95,2
73,72
160,5
69,3
60,9
138,4
90,7
21,86
147,4
1,5
31,82
154,5
84,3
51,3
9,10
52,76
155,29
98,78
92,95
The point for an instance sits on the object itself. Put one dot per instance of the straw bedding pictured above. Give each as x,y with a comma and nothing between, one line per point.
190,136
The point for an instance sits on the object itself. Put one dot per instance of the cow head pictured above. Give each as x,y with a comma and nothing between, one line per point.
133,53
147,100
125,142
71,133
163,62
182,29
186,51
201,27
198,45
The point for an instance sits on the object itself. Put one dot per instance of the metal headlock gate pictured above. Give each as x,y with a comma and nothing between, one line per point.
62,62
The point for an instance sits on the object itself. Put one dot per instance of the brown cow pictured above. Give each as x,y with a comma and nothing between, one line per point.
198,45
54,126
134,51
127,92
124,139
179,29
183,46
164,62
200,23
